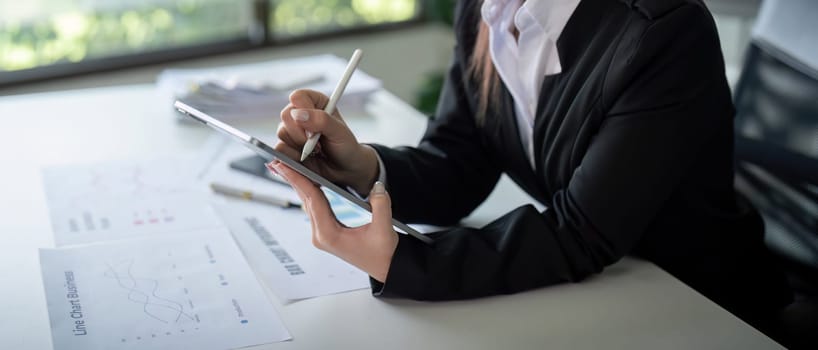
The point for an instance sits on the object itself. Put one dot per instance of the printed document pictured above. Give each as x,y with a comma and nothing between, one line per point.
183,291
116,200
277,243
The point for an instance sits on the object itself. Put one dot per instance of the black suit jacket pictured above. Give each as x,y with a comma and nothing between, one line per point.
633,149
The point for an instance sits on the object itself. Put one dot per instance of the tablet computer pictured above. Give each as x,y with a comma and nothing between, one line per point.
269,154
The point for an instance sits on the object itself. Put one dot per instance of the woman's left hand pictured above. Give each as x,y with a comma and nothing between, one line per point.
369,247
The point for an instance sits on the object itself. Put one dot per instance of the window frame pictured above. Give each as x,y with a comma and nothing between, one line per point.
261,10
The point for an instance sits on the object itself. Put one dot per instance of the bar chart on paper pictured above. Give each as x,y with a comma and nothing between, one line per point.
192,290
114,200
112,219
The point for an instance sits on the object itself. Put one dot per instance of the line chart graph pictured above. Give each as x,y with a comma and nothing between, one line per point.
144,292
186,290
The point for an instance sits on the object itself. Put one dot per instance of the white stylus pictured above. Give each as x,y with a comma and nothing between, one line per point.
336,95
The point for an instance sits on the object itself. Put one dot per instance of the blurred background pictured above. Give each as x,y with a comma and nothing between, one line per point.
63,44
41,33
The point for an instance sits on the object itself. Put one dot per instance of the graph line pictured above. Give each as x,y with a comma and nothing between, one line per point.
151,303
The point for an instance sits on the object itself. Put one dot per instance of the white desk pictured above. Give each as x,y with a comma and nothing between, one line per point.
632,305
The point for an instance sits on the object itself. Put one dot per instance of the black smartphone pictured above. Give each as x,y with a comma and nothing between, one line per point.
255,165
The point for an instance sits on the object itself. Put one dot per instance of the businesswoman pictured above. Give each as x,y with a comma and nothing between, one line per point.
616,115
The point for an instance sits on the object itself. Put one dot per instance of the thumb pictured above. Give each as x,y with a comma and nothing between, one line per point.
381,207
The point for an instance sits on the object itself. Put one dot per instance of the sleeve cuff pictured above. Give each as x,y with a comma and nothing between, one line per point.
377,287
381,177
381,167
405,279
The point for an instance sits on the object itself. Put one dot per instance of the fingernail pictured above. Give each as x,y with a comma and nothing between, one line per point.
308,133
271,167
300,115
278,168
379,188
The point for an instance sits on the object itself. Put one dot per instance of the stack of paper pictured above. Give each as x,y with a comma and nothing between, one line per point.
260,90
145,263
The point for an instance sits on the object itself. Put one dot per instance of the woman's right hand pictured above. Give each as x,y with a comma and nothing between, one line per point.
338,156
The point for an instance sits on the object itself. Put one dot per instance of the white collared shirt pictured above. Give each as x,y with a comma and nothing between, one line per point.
523,63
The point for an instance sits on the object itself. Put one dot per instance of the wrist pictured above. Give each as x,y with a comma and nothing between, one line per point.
383,261
370,252
367,174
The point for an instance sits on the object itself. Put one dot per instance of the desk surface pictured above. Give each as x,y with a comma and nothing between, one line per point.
633,304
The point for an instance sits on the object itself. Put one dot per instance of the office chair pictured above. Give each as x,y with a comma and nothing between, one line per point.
776,102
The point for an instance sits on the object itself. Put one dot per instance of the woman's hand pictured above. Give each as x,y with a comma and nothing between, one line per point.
369,247
338,156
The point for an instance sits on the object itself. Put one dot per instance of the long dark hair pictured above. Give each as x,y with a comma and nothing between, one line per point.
481,68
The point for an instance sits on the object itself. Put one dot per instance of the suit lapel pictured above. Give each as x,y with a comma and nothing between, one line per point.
563,95
518,166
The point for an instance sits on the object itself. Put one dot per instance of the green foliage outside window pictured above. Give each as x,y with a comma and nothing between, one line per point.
115,28
75,35
428,93
297,17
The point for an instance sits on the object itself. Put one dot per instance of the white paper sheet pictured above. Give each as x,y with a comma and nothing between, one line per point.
184,291
122,199
277,243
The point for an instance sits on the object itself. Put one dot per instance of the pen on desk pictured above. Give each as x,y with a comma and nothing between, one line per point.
333,99
263,198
